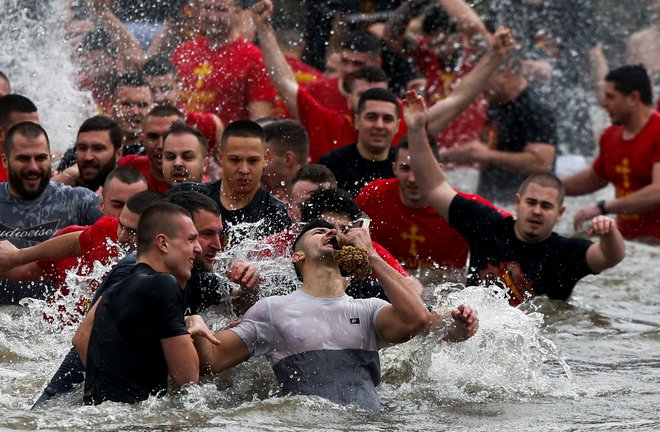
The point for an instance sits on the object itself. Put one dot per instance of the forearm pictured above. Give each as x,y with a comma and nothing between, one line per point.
63,246
127,44
645,199
598,67
396,26
520,162
583,183
612,248
427,172
464,16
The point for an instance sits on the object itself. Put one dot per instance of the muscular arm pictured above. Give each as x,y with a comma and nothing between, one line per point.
583,182
63,246
278,68
217,358
81,338
182,360
598,67
472,84
125,41
535,158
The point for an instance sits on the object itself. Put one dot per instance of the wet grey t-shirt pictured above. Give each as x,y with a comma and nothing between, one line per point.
28,222
326,347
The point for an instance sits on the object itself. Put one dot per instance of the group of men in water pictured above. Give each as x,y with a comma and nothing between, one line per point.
190,161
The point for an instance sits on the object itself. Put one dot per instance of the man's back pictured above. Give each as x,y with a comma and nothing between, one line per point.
125,359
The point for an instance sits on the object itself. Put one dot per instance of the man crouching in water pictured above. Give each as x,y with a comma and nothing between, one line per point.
318,340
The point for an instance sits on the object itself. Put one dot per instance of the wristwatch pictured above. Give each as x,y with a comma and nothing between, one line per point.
601,207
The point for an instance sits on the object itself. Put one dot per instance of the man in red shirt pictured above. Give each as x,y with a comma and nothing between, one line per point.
222,72
629,158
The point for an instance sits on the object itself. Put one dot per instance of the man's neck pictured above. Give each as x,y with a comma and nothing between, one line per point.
156,263
371,155
219,40
637,121
157,173
324,281
235,201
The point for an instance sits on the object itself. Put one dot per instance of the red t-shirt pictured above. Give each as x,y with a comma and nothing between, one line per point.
327,93
440,83
305,75
416,237
97,244
222,80
628,165
4,175
142,164
328,130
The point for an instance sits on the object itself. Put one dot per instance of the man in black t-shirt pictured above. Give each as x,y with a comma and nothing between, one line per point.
523,255
519,137
136,334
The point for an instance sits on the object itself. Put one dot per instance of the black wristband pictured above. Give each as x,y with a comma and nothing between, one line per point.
601,207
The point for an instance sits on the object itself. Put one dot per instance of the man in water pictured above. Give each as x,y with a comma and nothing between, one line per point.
523,255
320,341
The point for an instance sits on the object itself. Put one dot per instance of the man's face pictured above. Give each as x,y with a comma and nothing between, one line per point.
377,125
494,90
242,162
275,170
155,129
618,106
127,229
352,61
130,107
410,194
300,192
183,250
96,155
358,88
28,166
164,89
15,118
537,211
115,195
218,16
339,220
183,159
209,227
317,244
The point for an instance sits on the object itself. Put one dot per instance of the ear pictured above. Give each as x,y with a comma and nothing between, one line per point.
298,257
267,155
290,159
5,162
119,153
161,243
101,201
561,210
518,198
206,164
218,153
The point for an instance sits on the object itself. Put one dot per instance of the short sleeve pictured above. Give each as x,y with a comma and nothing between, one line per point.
167,299
256,330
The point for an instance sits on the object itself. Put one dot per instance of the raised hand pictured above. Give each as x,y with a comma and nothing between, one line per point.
415,113
262,12
503,41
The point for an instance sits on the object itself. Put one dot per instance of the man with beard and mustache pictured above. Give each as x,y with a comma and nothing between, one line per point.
98,148
522,255
33,208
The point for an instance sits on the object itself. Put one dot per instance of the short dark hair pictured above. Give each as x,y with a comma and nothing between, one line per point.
126,175
362,41
103,123
378,94
142,200
545,180
194,202
12,103
315,173
27,129
158,66
165,111
155,219
130,79
242,129
98,40
436,19
329,200
403,144
632,78
180,128
288,135
370,74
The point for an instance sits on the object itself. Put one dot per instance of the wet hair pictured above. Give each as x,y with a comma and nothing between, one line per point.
158,66
142,200
130,79
436,20
316,223
103,123
242,129
288,135
27,129
403,144
126,175
362,41
263,121
180,128
12,103
632,78
378,94
370,74
98,40
165,111
193,202
545,180
329,200
156,219
314,173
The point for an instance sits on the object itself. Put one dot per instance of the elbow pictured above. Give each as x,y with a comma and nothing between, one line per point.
421,321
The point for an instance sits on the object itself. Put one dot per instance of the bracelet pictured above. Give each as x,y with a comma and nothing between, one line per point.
601,207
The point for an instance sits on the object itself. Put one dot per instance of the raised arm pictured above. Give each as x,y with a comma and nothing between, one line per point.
429,175
406,315
395,28
125,41
466,19
610,250
278,68
472,84
583,182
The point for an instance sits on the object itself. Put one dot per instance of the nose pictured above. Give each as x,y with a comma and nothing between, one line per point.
197,248
33,165
178,161
87,155
243,168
